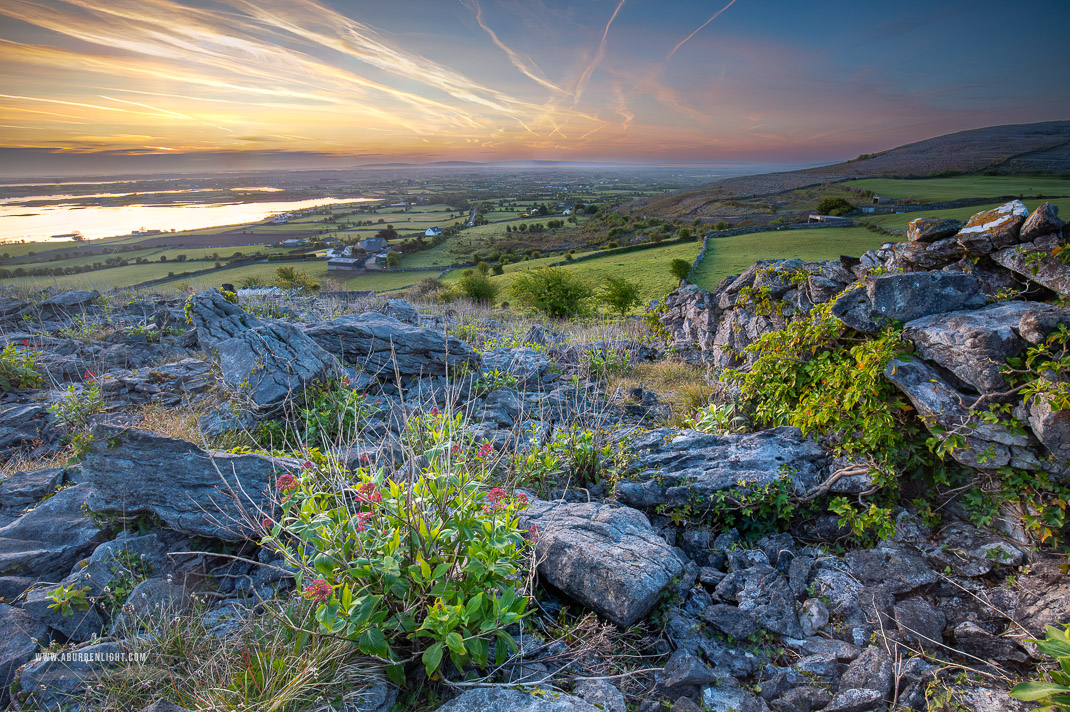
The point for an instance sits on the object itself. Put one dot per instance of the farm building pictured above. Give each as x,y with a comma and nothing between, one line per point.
349,264
433,231
374,244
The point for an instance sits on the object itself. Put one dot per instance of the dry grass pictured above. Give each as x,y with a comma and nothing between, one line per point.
174,422
684,387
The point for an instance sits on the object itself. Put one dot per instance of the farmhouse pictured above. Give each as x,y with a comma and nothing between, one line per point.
433,231
374,244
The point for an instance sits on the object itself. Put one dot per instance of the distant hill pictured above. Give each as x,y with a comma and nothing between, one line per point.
1013,149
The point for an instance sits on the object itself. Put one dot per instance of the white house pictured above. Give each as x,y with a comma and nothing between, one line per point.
433,231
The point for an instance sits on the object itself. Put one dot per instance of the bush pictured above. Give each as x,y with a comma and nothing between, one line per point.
426,287
393,259
834,205
680,268
426,568
721,225
77,405
619,294
497,269
18,369
478,287
553,291
288,277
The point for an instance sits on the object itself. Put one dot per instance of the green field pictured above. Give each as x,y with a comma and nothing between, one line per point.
935,190
648,268
378,281
732,255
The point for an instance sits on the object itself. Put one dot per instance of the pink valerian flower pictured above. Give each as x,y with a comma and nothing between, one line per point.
496,495
485,451
533,533
368,493
308,465
286,482
455,449
267,523
522,499
88,376
363,518
365,457
435,410
318,591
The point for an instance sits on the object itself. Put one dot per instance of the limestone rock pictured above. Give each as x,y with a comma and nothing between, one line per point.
678,465
525,364
212,494
22,489
606,557
1044,221
1052,427
1034,261
47,540
499,699
58,681
904,297
932,229
20,638
402,311
383,346
993,229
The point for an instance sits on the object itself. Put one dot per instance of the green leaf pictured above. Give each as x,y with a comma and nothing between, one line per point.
1032,691
455,643
373,642
396,673
432,657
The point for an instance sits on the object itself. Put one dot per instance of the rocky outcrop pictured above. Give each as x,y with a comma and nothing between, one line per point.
385,347
267,361
46,541
684,466
20,640
605,557
1035,261
890,298
932,229
498,699
212,494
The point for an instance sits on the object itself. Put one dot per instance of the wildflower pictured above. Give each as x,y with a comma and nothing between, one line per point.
25,342
485,450
365,457
362,521
496,495
533,532
267,523
435,410
522,499
286,482
318,591
455,449
308,465
88,376
368,493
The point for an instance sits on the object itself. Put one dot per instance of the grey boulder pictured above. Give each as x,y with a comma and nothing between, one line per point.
383,346
932,229
46,541
20,639
606,557
889,298
994,229
499,699
212,494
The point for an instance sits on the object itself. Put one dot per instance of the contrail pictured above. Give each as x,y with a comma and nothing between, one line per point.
714,17
531,73
581,85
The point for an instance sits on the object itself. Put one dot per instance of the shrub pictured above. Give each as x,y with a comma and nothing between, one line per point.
428,567
721,225
289,277
426,287
834,205
77,405
680,268
619,294
497,269
393,259
328,415
478,286
482,267
552,291
18,369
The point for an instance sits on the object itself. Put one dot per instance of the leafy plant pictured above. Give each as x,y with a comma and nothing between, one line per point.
868,525
1054,694
553,291
478,287
680,268
619,294
76,406
68,600
603,363
422,568
18,369
489,381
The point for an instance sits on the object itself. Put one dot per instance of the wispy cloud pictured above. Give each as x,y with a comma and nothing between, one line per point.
526,66
581,84
694,32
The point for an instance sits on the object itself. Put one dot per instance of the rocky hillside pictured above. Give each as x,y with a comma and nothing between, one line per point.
230,502
1013,149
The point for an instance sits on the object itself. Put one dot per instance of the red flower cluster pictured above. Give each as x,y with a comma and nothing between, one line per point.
362,521
318,591
286,482
368,493
533,532
365,457
88,376
267,523
435,410
455,449
308,465
496,495
499,499
485,451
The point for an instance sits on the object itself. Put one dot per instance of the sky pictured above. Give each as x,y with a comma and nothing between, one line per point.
92,86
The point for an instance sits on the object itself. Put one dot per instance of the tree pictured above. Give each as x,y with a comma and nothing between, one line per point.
680,268
478,287
497,269
619,294
393,259
721,225
553,291
685,234
834,205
